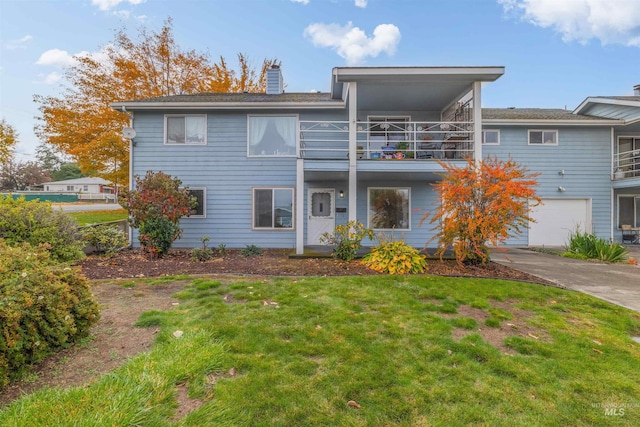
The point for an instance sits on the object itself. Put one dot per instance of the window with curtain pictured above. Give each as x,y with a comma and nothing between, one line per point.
186,129
273,208
272,135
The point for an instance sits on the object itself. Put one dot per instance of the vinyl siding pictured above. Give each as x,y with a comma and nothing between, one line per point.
612,111
222,166
584,153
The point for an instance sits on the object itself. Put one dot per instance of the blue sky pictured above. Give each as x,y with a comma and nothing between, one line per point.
556,52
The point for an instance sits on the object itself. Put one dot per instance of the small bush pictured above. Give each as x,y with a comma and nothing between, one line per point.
44,306
395,258
157,235
251,250
588,246
204,253
222,248
347,239
106,238
36,222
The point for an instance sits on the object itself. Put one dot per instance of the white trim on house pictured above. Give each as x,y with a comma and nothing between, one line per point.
228,105
539,122
543,144
635,198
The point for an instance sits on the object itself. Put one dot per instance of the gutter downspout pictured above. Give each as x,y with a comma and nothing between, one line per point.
124,110
612,221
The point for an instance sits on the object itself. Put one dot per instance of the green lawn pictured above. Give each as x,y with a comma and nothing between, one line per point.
411,351
97,217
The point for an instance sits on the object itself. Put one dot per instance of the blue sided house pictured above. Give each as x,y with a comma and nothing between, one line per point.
278,169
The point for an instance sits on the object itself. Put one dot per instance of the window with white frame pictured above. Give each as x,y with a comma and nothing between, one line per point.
389,208
491,137
543,137
85,188
186,129
273,136
629,210
200,196
69,187
273,208
387,131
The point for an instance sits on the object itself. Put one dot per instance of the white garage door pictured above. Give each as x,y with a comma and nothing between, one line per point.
556,218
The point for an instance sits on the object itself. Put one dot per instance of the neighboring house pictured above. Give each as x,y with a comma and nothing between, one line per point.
279,169
79,185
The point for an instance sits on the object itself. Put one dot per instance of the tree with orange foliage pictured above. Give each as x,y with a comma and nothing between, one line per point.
484,202
80,122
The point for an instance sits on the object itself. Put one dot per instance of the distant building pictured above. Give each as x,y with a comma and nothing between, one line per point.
80,185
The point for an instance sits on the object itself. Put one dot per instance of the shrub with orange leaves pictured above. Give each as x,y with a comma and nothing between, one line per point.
484,202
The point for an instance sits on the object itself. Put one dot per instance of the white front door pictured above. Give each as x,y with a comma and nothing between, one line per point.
321,213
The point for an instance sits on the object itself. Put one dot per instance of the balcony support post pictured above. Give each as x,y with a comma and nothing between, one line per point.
477,122
353,136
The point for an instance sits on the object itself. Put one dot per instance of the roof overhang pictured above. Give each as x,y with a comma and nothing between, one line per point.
538,122
591,101
410,88
137,105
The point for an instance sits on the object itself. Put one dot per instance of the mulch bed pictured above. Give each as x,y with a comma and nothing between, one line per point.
273,262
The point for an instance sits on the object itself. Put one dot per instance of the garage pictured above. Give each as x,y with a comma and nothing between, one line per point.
556,219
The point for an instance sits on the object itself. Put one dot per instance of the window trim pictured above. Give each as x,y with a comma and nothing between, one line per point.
204,199
253,208
166,128
297,136
484,131
369,210
543,143
636,207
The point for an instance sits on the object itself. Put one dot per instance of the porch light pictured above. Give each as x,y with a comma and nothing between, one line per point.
562,189
341,194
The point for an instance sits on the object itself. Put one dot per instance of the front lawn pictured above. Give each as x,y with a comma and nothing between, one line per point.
98,217
376,350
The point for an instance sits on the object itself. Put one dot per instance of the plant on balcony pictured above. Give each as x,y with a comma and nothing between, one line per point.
485,202
403,147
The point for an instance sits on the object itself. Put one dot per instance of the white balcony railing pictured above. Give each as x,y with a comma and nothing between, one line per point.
388,140
627,164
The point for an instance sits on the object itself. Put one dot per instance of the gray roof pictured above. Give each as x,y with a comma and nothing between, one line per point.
81,181
534,114
311,97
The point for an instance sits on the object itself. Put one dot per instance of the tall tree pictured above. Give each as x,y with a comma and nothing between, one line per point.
81,123
8,140
19,175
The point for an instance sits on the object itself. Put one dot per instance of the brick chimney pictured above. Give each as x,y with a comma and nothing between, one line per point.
274,81
636,90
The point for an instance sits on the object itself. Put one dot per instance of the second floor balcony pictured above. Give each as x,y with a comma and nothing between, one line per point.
388,140
627,164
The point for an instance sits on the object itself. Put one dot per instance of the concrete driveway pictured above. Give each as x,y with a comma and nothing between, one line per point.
615,283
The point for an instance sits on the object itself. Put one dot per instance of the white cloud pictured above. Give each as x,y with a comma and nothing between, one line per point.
52,78
61,58
305,2
122,14
108,4
610,21
361,3
351,43
19,43
56,57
